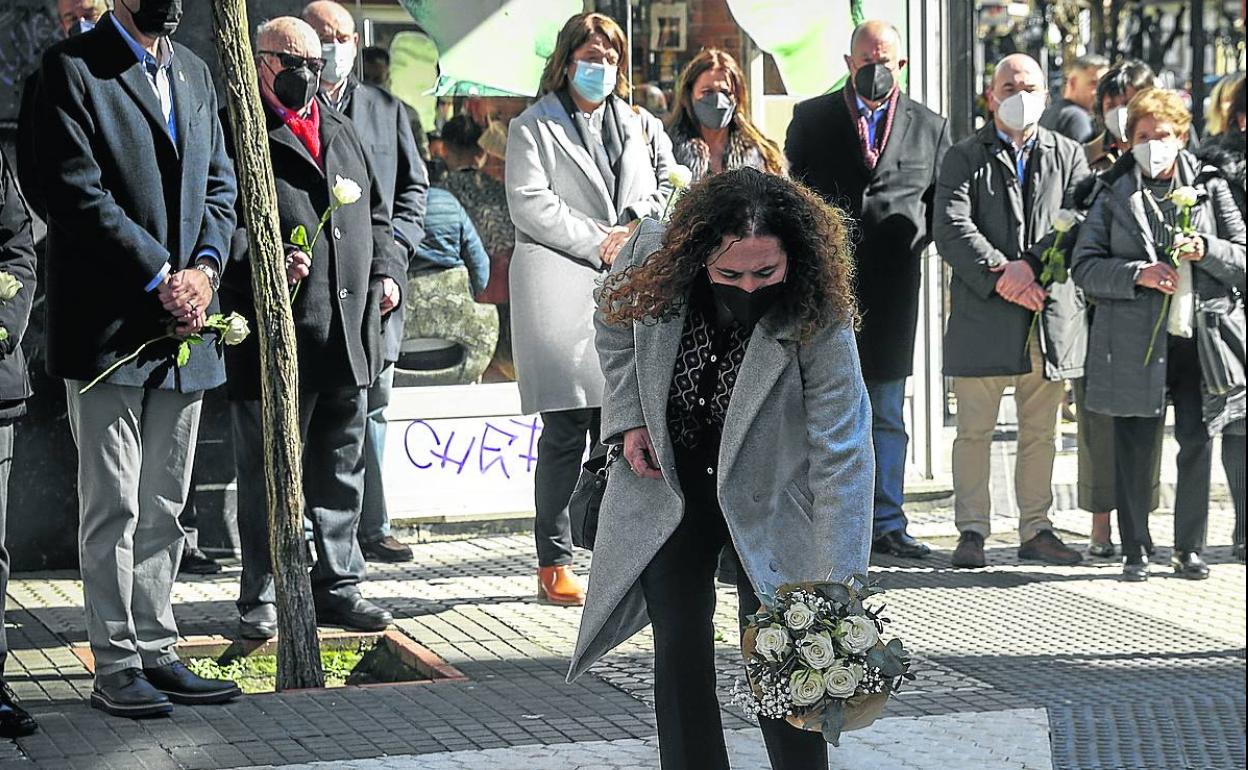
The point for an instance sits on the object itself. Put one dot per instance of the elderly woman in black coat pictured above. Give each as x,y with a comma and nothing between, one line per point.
1165,227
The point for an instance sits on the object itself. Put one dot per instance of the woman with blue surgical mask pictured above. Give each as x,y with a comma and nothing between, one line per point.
1161,254
583,168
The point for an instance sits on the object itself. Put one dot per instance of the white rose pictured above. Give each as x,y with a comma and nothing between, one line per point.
805,687
799,616
840,682
772,642
236,329
858,634
346,190
4,334
679,176
9,286
1185,197
817,650
1065,220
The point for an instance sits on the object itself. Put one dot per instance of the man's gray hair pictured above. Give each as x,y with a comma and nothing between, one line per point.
1087,62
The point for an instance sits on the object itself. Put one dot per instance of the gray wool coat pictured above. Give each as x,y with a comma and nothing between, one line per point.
981,221
1113,247
561,208
796,463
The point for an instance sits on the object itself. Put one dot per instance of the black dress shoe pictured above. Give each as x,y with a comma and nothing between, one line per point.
196,562
898,543
1189,565
970,551
183,686
1135,569
388,549
14,721
259,622
127,693
352,612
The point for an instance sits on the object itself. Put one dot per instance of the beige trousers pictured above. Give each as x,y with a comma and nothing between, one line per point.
979,399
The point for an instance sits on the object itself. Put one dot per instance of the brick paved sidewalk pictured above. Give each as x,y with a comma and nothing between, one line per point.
1141,676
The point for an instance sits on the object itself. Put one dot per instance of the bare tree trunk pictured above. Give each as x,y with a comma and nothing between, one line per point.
298,656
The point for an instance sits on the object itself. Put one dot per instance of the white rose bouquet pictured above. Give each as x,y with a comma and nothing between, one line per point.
1053,259
815,657
345,192
9,287
230,330
1184,200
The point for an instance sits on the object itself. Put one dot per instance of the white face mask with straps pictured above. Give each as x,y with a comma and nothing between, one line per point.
339,61
1022,111
1156,156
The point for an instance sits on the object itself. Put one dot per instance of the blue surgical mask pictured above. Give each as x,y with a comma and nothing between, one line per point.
594,81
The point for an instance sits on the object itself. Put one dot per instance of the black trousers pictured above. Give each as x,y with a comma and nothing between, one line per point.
679,586
332,426
1135,450
560,448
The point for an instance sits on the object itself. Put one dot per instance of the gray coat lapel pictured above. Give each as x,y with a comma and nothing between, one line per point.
766,358
564,131
657,347
634,151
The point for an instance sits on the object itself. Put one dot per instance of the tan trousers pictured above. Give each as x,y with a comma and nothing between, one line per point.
979,399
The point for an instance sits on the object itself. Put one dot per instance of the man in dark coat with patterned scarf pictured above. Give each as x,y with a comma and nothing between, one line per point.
886,187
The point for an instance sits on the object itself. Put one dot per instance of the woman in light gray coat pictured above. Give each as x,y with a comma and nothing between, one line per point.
733,386
582,168
1143,346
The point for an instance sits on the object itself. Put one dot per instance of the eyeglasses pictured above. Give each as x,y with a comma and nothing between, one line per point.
290,61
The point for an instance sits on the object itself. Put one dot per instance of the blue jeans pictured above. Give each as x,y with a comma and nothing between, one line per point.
374,517
888,433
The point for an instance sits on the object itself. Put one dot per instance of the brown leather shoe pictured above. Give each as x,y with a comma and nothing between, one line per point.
970,551
560,585
1049,548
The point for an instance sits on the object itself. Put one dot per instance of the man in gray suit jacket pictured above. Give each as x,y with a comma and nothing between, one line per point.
381,122
997,196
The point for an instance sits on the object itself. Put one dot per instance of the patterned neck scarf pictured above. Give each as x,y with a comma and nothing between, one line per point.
871,154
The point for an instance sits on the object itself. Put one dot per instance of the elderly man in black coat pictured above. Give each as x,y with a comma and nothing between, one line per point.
382,124
17,289
341,291
874,152
140,209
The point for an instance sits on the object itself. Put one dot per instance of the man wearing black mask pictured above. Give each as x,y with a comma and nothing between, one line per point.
381,122
340,293
140,208
874,152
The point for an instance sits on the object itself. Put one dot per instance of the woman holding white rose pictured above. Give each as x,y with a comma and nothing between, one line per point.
583,167
1161,253
734,390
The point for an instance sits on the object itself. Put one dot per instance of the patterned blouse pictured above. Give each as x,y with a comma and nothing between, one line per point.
485,200
707,364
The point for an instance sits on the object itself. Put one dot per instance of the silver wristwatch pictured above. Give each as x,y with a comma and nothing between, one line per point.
214,278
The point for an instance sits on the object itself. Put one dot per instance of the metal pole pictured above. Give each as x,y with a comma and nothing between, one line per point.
1198,63
961,67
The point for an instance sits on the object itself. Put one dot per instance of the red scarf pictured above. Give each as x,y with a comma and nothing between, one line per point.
871,155
306,130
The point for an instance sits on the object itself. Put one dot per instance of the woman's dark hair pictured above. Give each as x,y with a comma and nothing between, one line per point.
461,133
742,203
1125,76
575,33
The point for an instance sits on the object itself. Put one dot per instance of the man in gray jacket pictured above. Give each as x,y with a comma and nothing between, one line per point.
998,194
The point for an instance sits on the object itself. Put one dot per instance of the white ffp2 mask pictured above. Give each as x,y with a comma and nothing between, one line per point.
1155,156
1116,122
339,60
1022,111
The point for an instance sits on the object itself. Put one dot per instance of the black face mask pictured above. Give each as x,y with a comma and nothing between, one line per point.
715,110
295,88
874,82
158,18
746,307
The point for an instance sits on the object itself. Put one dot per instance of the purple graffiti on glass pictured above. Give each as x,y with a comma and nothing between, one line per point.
514,440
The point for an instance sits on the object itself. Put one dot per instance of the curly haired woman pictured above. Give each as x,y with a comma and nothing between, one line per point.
733,386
